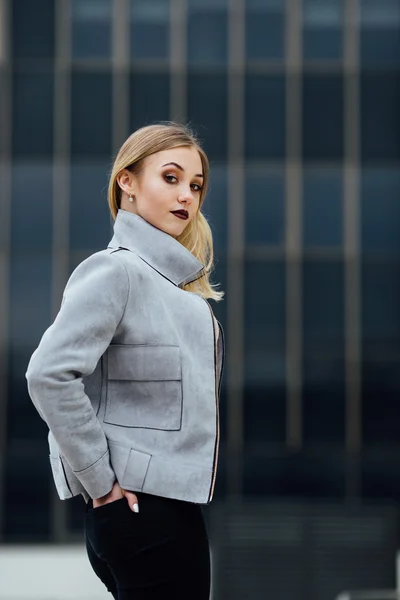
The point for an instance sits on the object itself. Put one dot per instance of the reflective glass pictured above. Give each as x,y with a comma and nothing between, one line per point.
322,207
380,399
90,221
215,207
322,29
207,111
380,309
323,308
30,287
322,117
33,28
311,473
265,206
265,116
91,113
380,465
323,352
149,98
380,210
380,329
26,467
91,28
265,369
380,32
380,115
150,28
207,34
265,26
31,207
32,114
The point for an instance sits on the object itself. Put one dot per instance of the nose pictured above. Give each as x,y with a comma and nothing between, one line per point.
186,196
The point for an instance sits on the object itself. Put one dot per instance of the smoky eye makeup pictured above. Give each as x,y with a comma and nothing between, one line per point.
172,177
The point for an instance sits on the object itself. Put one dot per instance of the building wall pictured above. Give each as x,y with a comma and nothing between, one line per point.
297,103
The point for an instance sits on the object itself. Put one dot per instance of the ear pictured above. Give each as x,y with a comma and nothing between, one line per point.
125,180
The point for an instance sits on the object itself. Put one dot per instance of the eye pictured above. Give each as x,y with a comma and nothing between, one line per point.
170,178
196,187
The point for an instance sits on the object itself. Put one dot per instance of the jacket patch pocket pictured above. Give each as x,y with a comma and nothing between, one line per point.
144,387
130,466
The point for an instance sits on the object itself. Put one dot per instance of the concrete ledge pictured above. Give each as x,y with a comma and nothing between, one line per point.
48,573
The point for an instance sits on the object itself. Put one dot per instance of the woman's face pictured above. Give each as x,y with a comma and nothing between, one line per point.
166,192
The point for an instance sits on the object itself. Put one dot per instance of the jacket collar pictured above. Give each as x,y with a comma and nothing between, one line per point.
158,249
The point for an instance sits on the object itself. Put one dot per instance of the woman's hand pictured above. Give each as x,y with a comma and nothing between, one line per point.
116,494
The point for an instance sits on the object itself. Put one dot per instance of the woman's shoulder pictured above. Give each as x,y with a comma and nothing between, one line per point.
100,268
113,267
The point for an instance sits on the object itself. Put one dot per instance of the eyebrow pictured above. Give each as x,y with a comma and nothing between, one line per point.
181,168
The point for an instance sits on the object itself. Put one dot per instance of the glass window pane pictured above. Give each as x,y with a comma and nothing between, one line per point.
32,207
207,111
380,309
150,98
265,25
265,116
90,221
312,473
380,400
322,207
207,34
26,467
91,28
322,129
215,208
322,29
380,467
32,114
265,206
265,370
380,32
323,308
380,115
33,28
323,352
30,286
30,315
323,400
380,350
150,28
380,210
91,113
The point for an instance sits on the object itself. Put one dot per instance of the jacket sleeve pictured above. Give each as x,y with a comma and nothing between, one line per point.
92,308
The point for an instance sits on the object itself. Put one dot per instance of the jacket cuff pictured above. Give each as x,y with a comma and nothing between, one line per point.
99,478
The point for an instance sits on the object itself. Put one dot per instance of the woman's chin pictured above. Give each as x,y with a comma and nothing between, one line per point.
173,229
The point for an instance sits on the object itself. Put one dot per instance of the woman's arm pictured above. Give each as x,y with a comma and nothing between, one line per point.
93,305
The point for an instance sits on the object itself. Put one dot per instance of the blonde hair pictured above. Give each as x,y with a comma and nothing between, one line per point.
197,236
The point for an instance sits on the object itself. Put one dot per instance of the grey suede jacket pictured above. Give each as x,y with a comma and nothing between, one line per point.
127,377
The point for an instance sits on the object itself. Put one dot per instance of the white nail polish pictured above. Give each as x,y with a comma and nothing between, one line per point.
135,508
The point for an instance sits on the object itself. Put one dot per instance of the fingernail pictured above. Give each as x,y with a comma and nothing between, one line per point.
135,508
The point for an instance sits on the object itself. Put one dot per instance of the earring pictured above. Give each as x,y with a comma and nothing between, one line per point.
130,197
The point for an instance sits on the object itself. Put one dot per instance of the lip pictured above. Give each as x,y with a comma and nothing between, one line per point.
181,214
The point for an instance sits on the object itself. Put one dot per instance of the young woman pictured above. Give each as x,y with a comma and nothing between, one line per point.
127,377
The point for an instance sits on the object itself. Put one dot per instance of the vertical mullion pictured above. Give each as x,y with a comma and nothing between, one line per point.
293,238
5,233
178,60
61,192
352,247
120,72
235,285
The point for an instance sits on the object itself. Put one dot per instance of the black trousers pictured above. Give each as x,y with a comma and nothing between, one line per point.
161,553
